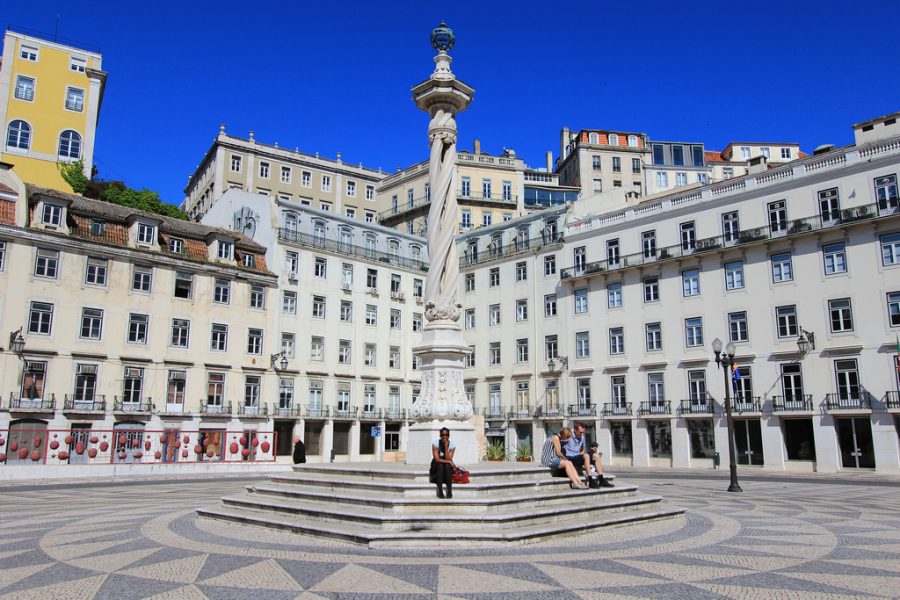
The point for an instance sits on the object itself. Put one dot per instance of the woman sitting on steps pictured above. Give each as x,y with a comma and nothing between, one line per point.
552,456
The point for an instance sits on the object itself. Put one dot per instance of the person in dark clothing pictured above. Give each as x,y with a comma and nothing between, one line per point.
299,451
442,450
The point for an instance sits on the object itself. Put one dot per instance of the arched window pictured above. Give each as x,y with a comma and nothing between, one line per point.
319,231
394,247
593,138
291,221
19,135
632,141
69,144
613,139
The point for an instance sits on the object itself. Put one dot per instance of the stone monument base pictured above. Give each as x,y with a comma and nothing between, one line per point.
422,434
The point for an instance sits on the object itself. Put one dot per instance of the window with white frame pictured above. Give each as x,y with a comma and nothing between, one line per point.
306,179
46,263
254,341
470,318
651,289
648,244
146,234
344,352
346,313
653,334
370,192
184,285
782,268
582,344
85,382
662,179
550,265
579,255
581,300
18,135
417,322
494,353
396,283
551,347
317,348
485,188
219,337
371,278
656,391
225,250
550,305
890,249
394,357
841,315
886,192
829,205
893,305
612,252
522,350
315,394
29,53
24,88
289,302
777,215
326,183
257,296
288,344
680,179
616,340
521,271
494,277
318,307
786,153
835,258
91,323
494,314
132,385
285,393
215,389
235,163
737,327
51,214
222,291
292,263
614,295
263,169
522,310
369,355
369,216
688,235
40,318
142,278
181,331
320,268
583,393
137,328
470,358
693,332
285,174
3,258
469,282
371,314
395,319
786,321
734,275
690,282
95,271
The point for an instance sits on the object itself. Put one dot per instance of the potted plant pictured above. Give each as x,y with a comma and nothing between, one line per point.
523,452
495,451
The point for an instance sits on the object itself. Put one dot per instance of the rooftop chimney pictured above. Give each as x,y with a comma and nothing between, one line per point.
477,146
549,161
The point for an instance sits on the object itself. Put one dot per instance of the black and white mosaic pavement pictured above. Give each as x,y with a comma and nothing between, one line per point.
784,537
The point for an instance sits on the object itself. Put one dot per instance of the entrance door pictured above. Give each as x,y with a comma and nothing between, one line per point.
748,439
855,438
284,433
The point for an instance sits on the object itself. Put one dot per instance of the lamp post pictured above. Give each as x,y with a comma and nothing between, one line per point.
727,360
280,359
563,364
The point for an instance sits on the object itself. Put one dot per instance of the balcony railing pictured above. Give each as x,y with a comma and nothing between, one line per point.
523,412
373,414
792,403
891,399
660,407
742,405
97,404
402,209
208,408
549,412
253,410
617,409
838,402
395,414
317,412
793,227
582,411
469,257
349,412
35,404
132,407
287,411
509,200
321,243
495,413
695,406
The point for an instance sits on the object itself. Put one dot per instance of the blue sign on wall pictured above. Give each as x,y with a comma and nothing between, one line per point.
376,431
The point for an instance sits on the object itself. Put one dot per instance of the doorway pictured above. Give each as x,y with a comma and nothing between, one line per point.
748,439
855,439
284,436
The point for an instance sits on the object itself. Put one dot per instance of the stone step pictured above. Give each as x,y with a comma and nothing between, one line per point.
460,534
397,472
469,498
443,514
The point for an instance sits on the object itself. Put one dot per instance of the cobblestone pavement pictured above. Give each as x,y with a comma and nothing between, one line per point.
784,537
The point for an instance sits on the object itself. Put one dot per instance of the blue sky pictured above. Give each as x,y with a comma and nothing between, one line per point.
330,77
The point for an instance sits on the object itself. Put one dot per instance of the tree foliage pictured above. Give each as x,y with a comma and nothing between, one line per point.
116,192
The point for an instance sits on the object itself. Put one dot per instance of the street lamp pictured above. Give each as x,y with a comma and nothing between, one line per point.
727,360
806,341
17,342
283,362
563,363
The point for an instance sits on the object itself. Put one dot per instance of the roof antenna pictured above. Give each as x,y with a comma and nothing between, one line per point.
56,33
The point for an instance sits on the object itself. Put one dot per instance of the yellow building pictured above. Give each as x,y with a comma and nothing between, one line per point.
50,96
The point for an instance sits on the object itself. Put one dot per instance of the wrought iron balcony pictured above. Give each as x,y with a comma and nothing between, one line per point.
748,404
398,414
524,412
208,408
659,407
617,409
322,243
697,406
317,412
287,411
470,257
370,415
349,412
32,404
826,220
495,413
839,402
582,411
132,407
402,208
801,403
891,400
97,404
508,200
549,412
253,410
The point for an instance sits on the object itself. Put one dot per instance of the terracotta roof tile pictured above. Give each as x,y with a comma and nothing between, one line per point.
7,212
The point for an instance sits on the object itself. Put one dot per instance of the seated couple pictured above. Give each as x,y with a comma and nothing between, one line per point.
565,451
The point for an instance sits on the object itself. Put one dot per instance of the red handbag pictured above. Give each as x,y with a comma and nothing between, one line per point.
459,475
